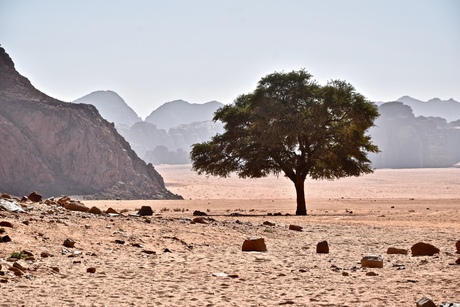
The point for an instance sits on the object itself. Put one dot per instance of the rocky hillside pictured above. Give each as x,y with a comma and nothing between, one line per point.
59,148
111,107
448,109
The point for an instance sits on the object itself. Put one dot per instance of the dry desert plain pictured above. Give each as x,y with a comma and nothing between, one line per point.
166,260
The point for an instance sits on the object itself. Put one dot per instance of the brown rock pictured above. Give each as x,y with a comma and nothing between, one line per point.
424,249
91,270
372,262
5,239
199,213
69,242
394,250
457,261
76,206
268,223
95,210
254,245
145,211
371,274
200,220
322,247
5,195
17,271
111,211
35,197
55,269
6,224
295,227
457,245
63,200
425,302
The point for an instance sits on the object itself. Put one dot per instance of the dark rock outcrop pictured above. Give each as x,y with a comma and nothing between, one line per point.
59,148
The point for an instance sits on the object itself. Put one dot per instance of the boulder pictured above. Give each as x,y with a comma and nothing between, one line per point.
425,302
95,210
111,211
372,262
254,245
295,227
424,249
145,211
322,247
5,195
76,206
199,213
200,220
91,270
5,239
69,242
394,250
457,245
6,224
268,223
35,197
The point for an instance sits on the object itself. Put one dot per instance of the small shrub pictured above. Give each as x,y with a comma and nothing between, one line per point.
18,255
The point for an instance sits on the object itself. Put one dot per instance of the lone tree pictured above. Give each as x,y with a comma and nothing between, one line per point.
291,125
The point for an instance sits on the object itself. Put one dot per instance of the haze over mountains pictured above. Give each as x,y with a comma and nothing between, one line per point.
59,148
410,133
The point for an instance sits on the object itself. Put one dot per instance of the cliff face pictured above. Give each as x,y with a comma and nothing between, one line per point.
60,148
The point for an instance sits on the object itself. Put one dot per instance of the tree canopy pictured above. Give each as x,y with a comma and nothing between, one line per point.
291,125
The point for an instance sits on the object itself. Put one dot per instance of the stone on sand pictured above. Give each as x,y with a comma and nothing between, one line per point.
254,244
6,224
457,245
372,262
69,242
145,211
322,247
398,251
35,197
424,249
295,227
425,302
95,210
76,206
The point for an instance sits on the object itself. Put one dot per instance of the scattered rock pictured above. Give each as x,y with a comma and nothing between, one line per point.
46,255
69,242
450,304
200,220
10,205
371,274
149,252
268,223
345,273
145,211
5,195
254,245
372,262
457,245
394,250
35,197
425,302
424,249
322,247
119,241
76,206
16,271
199,213
6,224
91,270
111,211
5,239
55,269
295,227
457,261
95,210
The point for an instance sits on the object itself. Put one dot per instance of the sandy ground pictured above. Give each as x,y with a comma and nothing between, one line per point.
166,260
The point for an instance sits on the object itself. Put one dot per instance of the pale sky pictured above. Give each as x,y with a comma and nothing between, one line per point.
151,52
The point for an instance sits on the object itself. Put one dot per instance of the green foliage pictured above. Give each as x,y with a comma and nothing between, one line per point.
291,125
18,255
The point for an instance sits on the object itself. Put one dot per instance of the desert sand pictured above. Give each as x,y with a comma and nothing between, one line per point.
166,260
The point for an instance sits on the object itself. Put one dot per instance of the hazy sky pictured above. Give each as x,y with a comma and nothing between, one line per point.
152,52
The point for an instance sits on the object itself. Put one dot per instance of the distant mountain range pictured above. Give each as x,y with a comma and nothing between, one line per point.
410,133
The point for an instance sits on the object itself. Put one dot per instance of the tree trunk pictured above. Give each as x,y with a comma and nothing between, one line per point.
300,191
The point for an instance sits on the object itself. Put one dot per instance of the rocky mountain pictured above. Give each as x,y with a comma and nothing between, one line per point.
407,141
448,109
178,112
111,107
59,148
